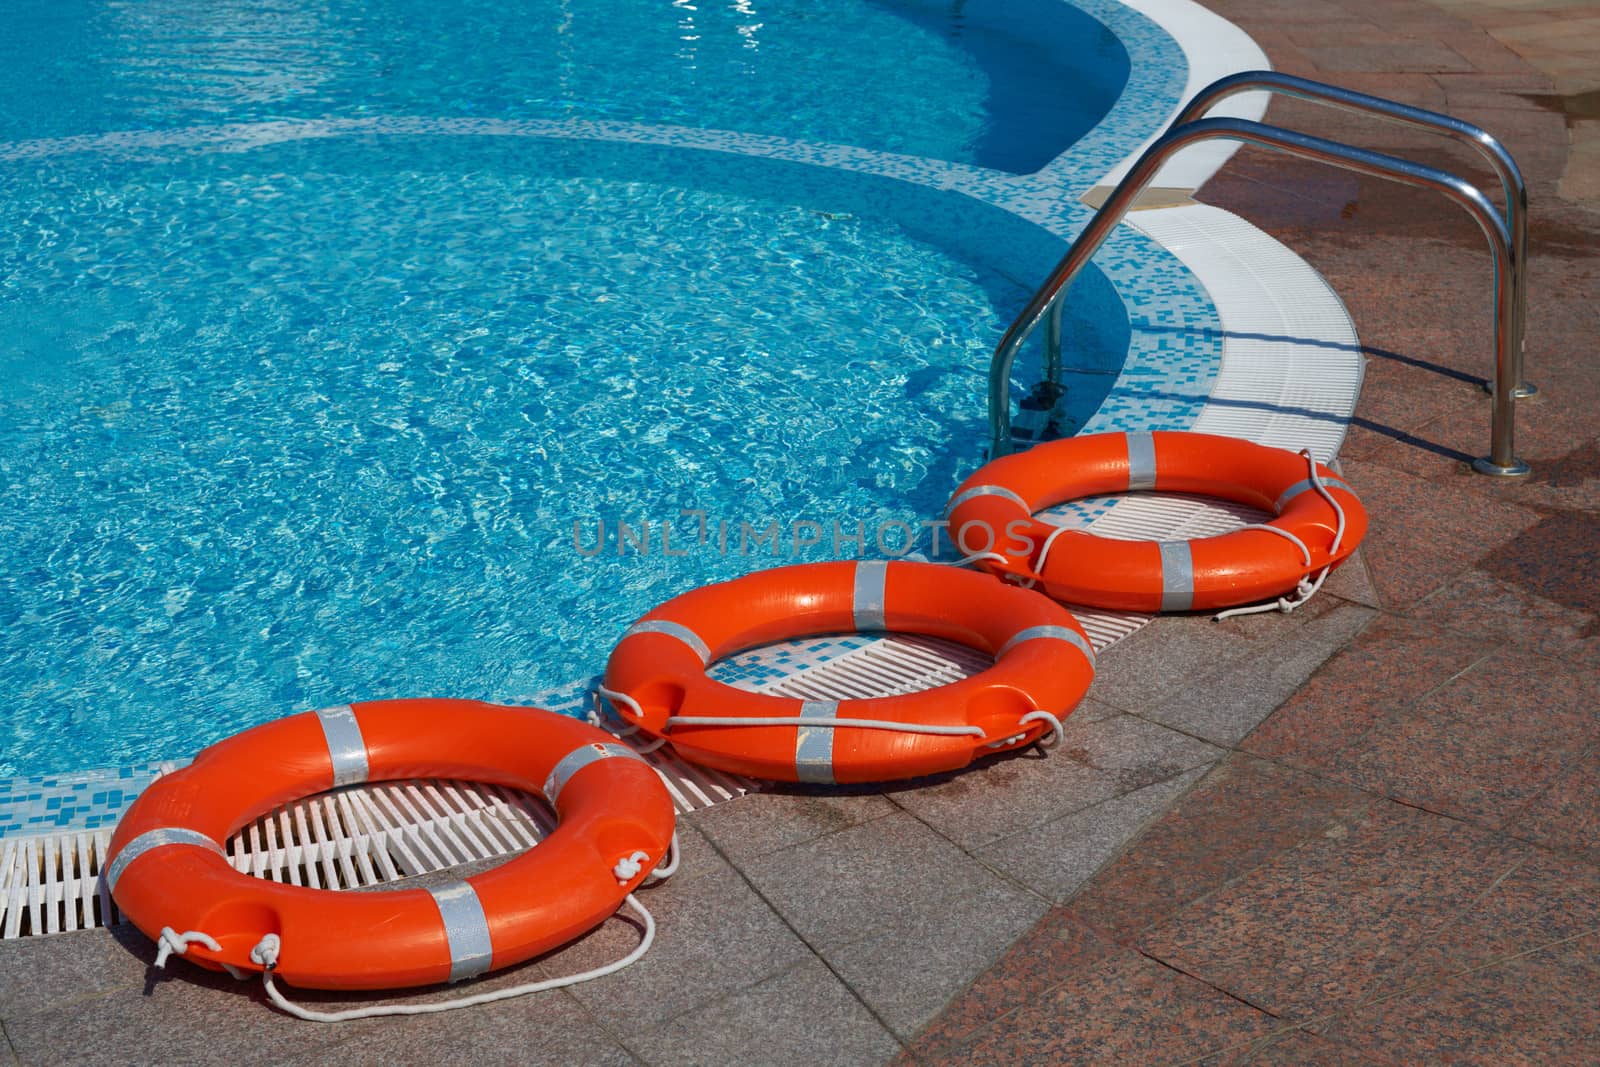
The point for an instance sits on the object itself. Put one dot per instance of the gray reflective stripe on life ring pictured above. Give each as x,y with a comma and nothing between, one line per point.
1304,485
154,839
867,602
346,747
466,929
985,490
1141,461
579,758
1177,576
1053,633
813,747
672,629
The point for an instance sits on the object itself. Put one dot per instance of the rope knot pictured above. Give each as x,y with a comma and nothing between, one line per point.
266,951
171,942
1307,587
629,866
1057,734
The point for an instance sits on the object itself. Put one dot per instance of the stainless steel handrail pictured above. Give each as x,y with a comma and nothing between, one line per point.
1513,188
1502,458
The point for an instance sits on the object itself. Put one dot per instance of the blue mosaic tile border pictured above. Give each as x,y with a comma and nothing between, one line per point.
96,799
1172,360
81,800
763,666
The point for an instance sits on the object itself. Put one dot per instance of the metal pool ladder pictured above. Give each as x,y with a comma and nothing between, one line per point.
1507,232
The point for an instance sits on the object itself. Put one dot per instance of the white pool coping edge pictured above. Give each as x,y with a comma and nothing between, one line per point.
1214,48
1292,367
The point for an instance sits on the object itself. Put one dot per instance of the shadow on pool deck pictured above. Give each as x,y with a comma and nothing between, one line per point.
1386,856
1401,864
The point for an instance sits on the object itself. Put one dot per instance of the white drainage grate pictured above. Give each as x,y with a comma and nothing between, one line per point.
1291,364
50,885
889,666
907,663
368,835
373,834
1167,516
348,839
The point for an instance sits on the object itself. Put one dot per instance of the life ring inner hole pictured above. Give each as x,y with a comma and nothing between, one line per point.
944,660
1190,515
396,830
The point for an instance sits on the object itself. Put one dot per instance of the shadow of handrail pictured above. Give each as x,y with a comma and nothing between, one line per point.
1212,333
1402,436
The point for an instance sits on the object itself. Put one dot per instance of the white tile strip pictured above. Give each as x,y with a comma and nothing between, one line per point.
1215,48
1291,363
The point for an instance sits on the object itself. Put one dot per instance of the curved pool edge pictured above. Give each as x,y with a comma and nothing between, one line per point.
1213,48
1216,251
1291,362
1291,365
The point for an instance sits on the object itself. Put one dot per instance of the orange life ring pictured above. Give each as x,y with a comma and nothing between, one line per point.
993,511
656,674
166,866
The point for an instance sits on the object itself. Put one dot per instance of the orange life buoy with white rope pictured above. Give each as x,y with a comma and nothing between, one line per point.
1043,666
1318,520
166,868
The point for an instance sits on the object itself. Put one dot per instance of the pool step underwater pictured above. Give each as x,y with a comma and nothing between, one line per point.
351,838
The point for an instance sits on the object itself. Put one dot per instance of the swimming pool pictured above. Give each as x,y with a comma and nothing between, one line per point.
1007,86
305,402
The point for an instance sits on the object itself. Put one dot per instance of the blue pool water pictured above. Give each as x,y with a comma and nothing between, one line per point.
1006,84
286,423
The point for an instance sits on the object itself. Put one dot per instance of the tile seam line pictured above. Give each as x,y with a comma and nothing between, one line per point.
1207,765
1445,925
91,997
1525,651
965,1041
1220,674
1041,995
1584,756
594,1020
1324,777
795,933
1013,882
1166,696
627,1044
1132,840
1393,714
1261,1043
764,853
1446,979
1295,846
1372,800
1005,878
1349,1010
1236,997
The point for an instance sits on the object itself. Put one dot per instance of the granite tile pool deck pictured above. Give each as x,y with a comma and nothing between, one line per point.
1366,832
1399,865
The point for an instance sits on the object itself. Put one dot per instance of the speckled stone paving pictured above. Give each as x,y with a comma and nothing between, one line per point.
1400,864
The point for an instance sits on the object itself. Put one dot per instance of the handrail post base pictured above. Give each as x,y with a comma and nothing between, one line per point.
1515,469
1521,392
